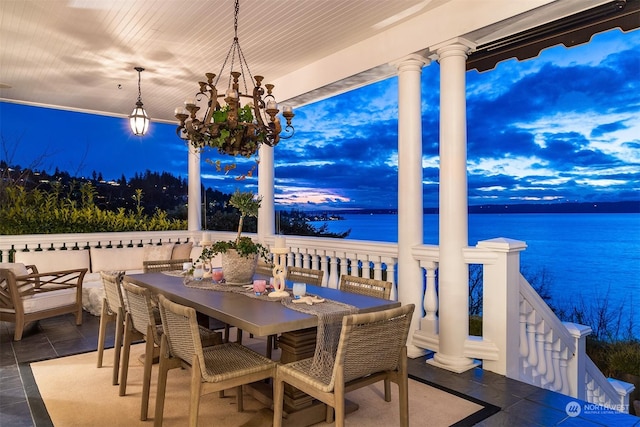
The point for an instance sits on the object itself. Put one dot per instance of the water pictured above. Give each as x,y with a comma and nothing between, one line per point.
588,256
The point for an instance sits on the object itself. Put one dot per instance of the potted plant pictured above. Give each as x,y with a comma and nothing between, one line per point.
239,256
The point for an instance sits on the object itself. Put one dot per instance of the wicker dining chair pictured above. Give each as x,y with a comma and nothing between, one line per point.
140,323
372,348
163,265
305,275
364,286
216,368
112,311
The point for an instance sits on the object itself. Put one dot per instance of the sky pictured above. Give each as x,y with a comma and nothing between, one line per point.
562,127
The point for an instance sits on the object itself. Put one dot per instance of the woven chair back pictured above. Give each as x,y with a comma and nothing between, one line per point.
364,286
112,290
305,275
372,342
180,326
140,304
163,265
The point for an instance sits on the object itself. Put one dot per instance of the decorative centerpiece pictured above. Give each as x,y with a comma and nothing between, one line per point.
280,251
239,256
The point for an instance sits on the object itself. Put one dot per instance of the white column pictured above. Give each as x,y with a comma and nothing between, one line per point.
410,207
194,205
453,272
266,214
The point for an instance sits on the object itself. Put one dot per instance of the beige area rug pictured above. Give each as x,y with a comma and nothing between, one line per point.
76,393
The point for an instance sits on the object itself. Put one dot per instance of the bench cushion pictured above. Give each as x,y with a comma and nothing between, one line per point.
116,259
54,260
47,300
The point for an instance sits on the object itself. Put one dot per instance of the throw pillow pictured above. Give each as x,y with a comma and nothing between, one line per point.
158,252
182,250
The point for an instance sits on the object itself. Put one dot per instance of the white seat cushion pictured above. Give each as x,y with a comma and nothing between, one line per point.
47,261
47,300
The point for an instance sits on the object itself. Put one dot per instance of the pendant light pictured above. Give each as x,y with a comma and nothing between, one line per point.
139,120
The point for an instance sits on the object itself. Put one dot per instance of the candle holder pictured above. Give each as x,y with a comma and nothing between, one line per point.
279,274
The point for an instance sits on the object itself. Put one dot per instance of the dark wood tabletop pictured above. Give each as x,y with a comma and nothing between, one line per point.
259,316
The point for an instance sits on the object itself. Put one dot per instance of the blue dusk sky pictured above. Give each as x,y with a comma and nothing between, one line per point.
562,127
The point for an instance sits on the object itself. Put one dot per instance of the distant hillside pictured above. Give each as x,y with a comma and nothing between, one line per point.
594,207
608,207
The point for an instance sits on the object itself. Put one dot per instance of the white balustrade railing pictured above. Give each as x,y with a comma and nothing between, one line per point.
535,347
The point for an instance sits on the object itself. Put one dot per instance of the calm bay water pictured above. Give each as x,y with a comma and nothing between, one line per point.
586,255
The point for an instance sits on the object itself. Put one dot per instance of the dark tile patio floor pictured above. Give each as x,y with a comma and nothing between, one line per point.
506,402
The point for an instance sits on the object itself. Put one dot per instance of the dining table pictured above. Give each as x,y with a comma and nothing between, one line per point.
263,316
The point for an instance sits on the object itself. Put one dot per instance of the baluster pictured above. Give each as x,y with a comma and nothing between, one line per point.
335,273
525,310
564,357
430,303
344,264
366,268
541,368
557,383
391,277
532,357
548,350
324,266
306,262
377,268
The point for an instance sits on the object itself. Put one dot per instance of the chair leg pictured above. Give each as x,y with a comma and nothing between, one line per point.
239,399
126,350
387,390
117,346
278,397
79,314
146,380
104,317
17,334
163,370
194,401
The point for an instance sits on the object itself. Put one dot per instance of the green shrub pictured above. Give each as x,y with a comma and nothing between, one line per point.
37,212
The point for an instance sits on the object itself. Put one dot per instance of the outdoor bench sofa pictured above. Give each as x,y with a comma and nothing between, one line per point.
74,271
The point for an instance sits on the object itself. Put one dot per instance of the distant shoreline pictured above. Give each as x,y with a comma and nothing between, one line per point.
537,208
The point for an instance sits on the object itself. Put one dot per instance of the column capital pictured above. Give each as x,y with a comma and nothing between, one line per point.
414,60
458,45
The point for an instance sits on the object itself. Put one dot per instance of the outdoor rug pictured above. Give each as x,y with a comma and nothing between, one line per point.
76,393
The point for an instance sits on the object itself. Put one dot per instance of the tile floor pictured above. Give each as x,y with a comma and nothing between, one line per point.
507,402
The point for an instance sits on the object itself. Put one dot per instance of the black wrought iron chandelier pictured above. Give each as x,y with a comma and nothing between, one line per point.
139,120
230,127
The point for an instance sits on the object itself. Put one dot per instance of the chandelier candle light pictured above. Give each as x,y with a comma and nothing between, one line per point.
232,128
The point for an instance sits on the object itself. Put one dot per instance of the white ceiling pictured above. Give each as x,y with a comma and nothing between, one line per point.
80,54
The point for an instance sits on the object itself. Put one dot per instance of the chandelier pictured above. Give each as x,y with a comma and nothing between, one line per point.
230,127
139,120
